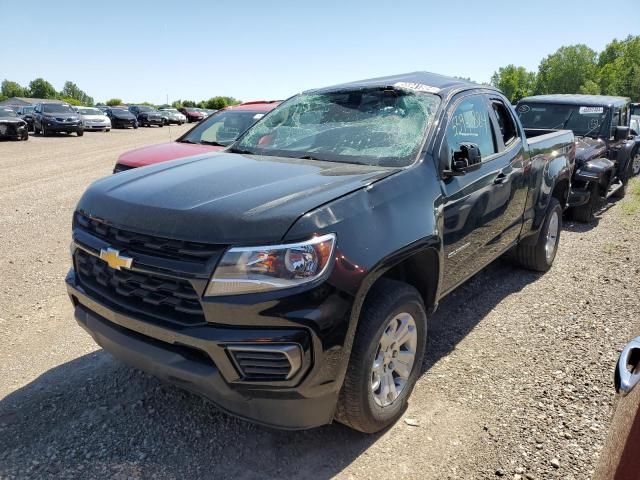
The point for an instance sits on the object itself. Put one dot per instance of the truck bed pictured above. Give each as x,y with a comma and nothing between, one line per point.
547,138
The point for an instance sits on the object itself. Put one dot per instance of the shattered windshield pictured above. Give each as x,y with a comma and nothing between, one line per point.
583,120
370,126
7,112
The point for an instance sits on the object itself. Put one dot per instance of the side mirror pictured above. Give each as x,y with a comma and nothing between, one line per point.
633,133
466,159
622,133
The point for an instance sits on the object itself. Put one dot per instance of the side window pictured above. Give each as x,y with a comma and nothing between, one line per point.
615,120
470,123
507,126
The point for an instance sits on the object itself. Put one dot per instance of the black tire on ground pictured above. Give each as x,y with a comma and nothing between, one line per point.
584,213
161,125
356,405
43,131
534,257
80,133
25,135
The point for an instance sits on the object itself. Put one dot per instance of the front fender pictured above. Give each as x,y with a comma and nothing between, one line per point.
377,227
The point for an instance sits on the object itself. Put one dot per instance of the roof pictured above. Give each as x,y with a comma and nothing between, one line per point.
583,100
420,81
22,101
256,106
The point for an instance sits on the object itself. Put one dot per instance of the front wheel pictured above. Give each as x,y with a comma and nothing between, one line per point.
25,136
43,130
80,133
635,163
540,256
386,357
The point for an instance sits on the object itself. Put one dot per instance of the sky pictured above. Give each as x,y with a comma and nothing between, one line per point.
142,50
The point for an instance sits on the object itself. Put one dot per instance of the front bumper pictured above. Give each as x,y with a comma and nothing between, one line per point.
63,127
120,122
12,131
197,358
151,121
97,126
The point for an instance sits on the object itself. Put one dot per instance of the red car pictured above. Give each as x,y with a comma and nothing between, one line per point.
215,133
192,114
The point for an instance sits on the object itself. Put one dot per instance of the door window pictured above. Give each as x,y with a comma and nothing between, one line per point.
615,121
507,126
470,123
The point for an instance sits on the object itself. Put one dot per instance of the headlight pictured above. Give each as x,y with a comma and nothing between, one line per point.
272,267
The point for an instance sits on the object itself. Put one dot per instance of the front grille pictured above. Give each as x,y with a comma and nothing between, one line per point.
266,362
168,299
146,244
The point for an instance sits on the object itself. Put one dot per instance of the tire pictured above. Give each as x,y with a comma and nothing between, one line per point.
540,257
635,163
358,405
25,136
161,125
80,133
43,131
108,130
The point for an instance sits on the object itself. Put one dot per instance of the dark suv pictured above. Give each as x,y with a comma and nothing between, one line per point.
147,116
56,117
26,113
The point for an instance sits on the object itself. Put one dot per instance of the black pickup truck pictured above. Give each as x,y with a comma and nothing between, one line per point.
607,150
289,278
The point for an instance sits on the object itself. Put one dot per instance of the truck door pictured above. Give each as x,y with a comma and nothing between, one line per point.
482,208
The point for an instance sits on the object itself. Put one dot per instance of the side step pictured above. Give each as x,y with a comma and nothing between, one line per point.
614,188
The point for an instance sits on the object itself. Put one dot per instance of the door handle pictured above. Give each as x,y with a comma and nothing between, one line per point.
627,369
501,178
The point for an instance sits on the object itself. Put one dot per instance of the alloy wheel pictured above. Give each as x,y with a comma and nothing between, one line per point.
552,237
394,359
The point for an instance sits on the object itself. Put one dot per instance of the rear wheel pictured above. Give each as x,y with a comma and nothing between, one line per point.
635,163
540,256
386,357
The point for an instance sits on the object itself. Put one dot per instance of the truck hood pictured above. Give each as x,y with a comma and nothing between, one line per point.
588,148
163,152
222,198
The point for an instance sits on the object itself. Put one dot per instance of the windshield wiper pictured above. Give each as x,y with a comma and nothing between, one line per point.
215,144
188,141
241,151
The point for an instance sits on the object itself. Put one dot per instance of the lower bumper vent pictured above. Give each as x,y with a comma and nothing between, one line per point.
266,362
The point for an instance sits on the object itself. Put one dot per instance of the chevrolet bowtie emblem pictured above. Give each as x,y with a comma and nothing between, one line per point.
114,259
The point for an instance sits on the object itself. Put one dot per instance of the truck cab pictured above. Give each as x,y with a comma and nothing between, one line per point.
607,151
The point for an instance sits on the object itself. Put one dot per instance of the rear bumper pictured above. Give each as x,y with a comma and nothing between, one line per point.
196,359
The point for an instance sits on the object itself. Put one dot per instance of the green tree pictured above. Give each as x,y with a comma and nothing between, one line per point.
566,70
13,89
71,90
620,68
515,82
70,101
589,88
40,88
112,102
217,103
188,103
176,104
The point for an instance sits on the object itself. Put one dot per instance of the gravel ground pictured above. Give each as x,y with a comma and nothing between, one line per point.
517,382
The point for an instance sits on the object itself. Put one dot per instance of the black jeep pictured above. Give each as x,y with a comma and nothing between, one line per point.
606,147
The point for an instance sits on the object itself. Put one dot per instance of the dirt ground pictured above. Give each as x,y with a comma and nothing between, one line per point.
517,382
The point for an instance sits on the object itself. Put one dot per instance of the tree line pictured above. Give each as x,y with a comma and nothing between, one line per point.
72,94
40,88
578,69
214,103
